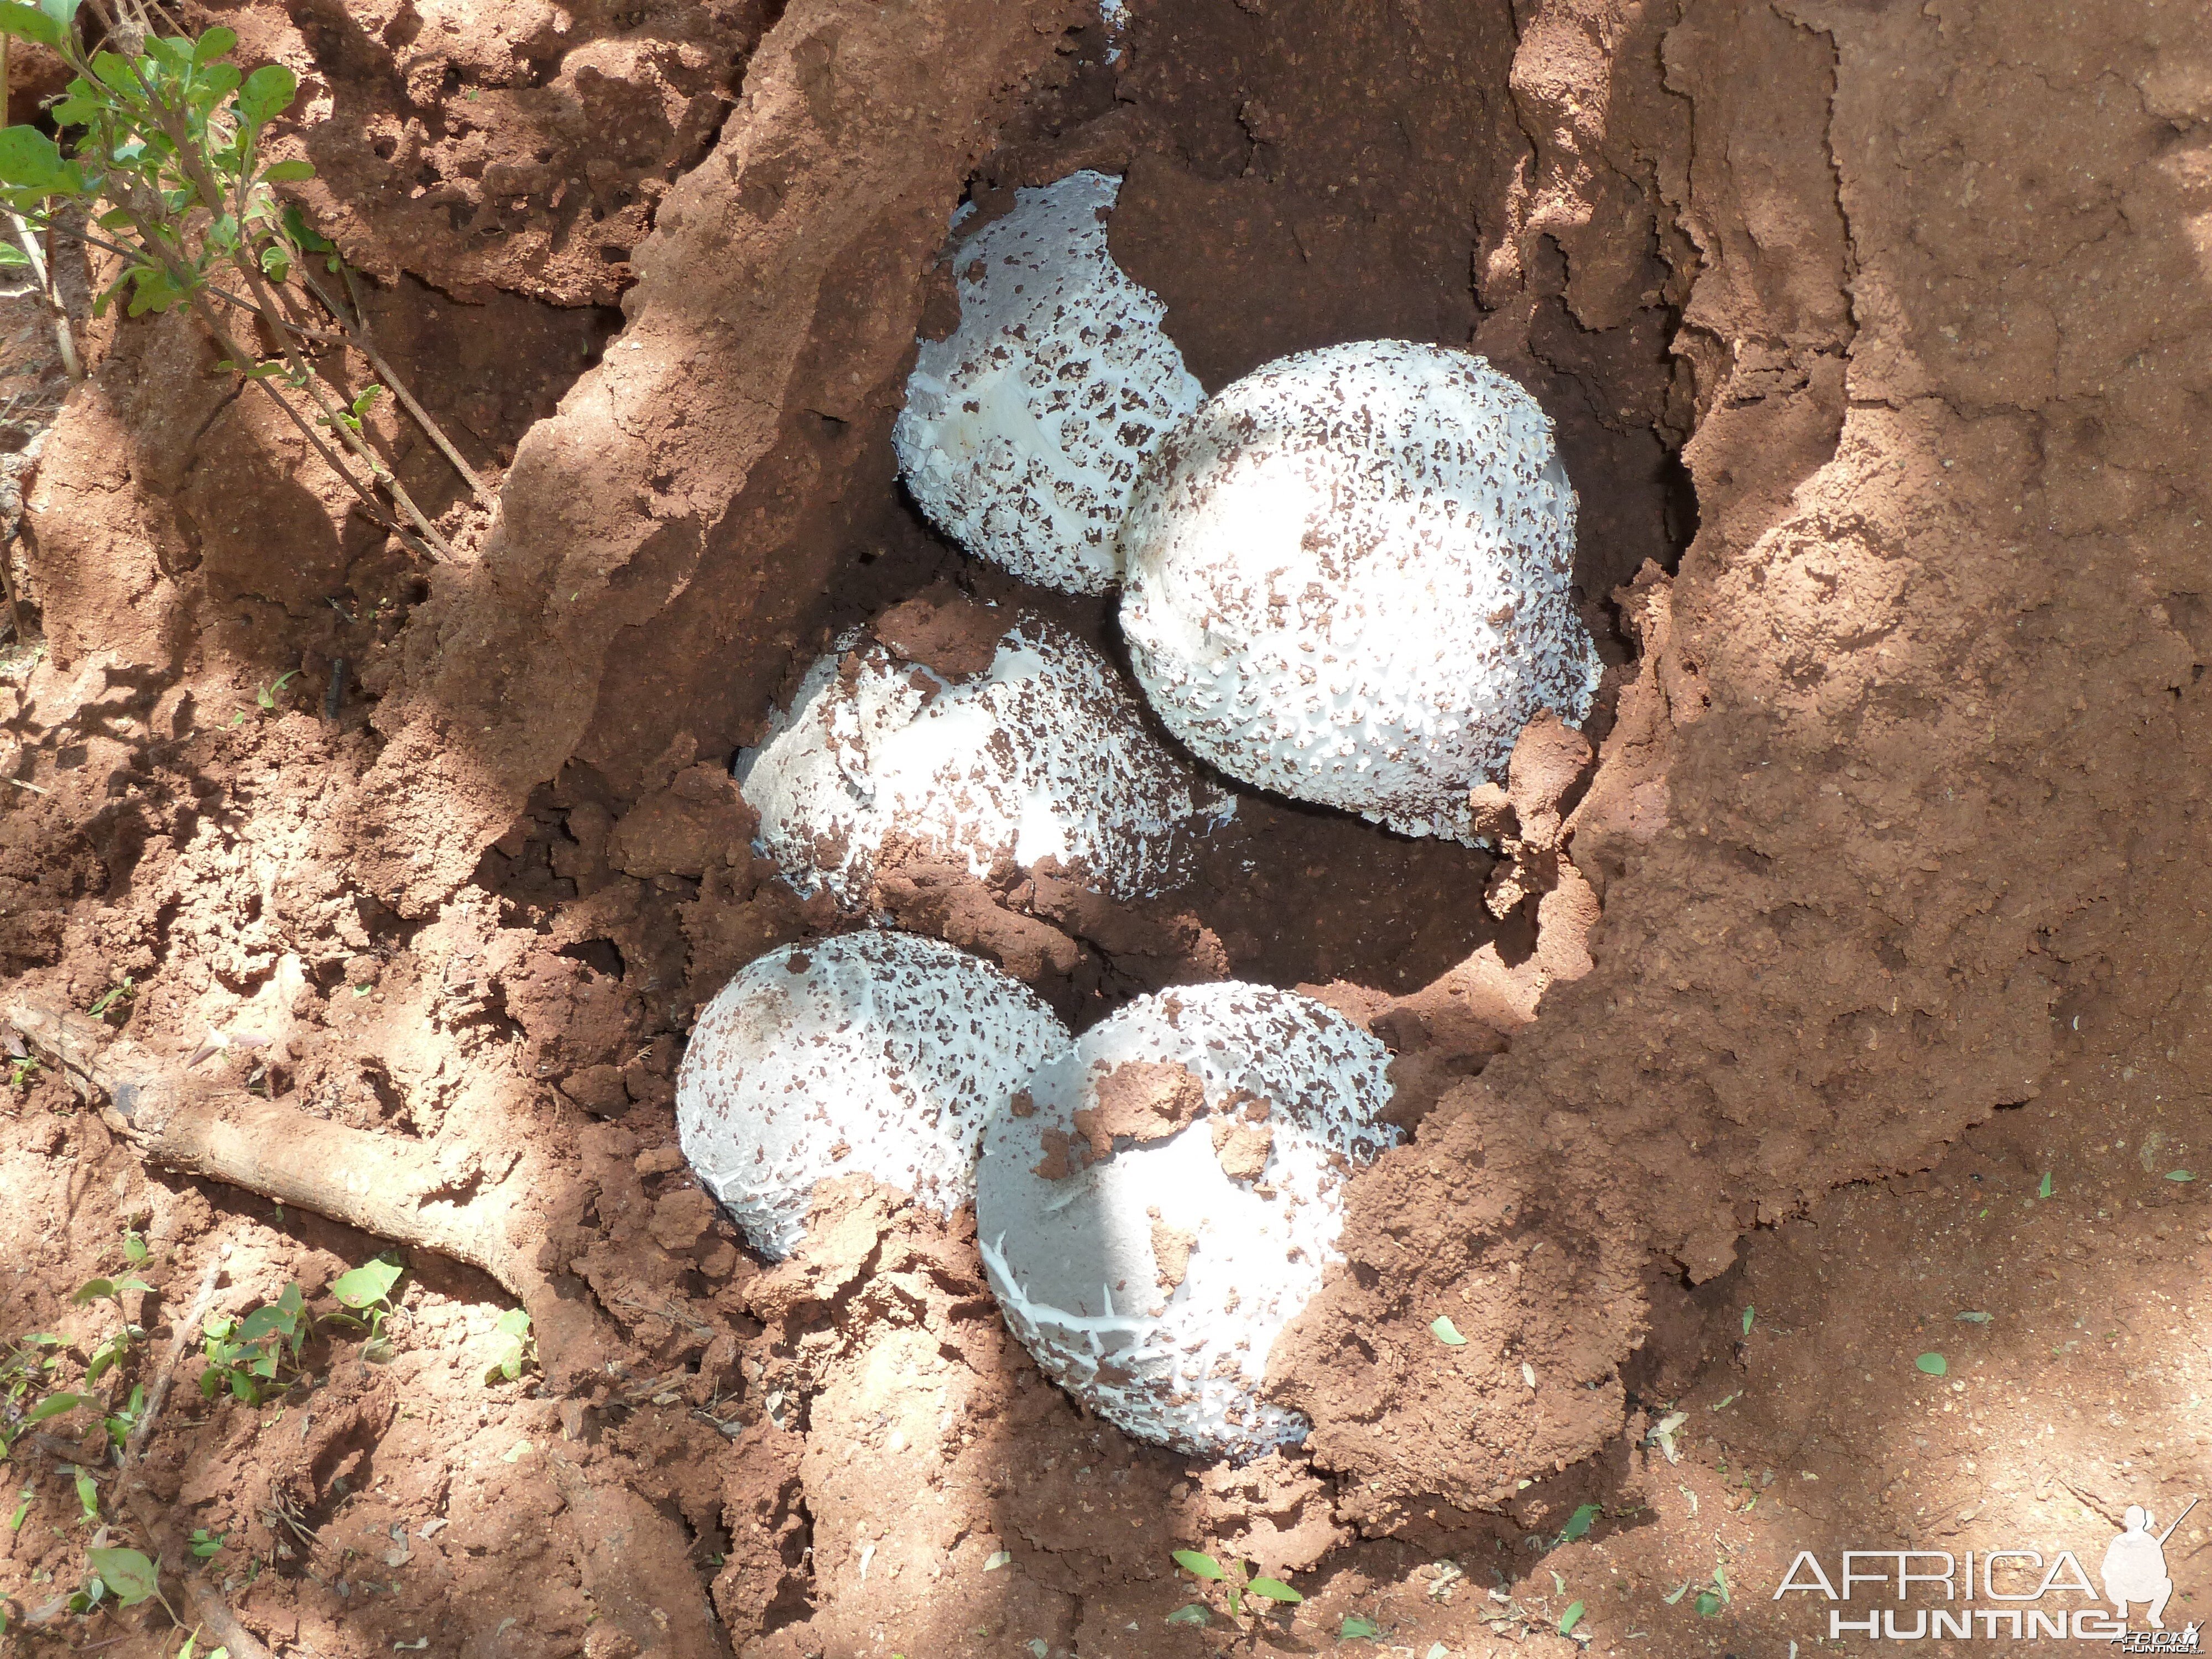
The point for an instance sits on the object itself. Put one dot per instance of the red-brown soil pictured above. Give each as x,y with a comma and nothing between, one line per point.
1876,338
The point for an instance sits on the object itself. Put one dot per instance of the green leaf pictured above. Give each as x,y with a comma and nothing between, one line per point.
2044,1191
12,257
15,1520
2181,1174
1193,1612
87,1494
1356,1629
265,1321
54,1405
1578,1523
1274,1590
284,172
92,1289
1709,1605
1749,1314
64,12
1446,1332
372,1280
215,43
1934,1363
1199,1564
126,1572
28,159
1571,1618
29,24
267,94
1676,1593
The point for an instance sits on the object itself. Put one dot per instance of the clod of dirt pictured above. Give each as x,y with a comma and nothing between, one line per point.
1347,580
877,1053
1043,754
1022,432
1164,1197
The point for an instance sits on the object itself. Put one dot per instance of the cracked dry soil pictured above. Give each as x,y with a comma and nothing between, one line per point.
1876,338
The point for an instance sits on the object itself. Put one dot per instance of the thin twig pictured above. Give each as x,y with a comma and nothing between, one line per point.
357,330
180,1339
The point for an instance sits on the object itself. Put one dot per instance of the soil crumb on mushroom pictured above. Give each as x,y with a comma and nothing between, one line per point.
875,1052
1023,431
1041,753
1348,580
1172,1200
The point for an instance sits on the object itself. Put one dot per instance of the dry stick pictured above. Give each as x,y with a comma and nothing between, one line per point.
357,332
212,1613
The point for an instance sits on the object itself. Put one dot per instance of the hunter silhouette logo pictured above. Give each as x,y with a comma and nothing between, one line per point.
2135,1565
2012,1594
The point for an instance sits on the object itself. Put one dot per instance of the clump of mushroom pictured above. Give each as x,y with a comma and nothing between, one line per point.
1022,430
877,1053
1039,750
1157,1205
1347,580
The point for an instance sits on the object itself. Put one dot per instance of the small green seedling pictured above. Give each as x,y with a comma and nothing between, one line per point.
1238,1585
206,1544
1571,1618
1578,1523
2044,1191
243,1355
1446,1332
1749,1315
115,998
1933,1363
266,695
366,1293
1356,1628
513,1346
21,1068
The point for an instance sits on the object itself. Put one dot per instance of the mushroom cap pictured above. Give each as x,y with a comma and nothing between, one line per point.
1347,580
1024,430
1159,1202
876,1052
1044,753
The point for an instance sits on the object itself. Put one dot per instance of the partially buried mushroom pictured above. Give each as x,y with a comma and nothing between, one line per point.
1347,579
1154,1207
877,1053
1029,747
1023,431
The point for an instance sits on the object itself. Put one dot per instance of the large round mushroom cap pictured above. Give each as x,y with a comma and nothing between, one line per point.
1042,753
1347,580
1024,430
1157,1204
877,1053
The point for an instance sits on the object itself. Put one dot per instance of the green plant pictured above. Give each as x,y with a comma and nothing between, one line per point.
366,1294
205,1544
243,1355
167,165
1238,1584
122,992
266,696
21,1068
513,1346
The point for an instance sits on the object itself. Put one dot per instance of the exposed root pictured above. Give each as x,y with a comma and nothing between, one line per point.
396,1189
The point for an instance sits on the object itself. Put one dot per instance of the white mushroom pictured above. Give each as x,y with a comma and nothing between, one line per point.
1155,1205
1023,431
1347,580
877,1053
1044,753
